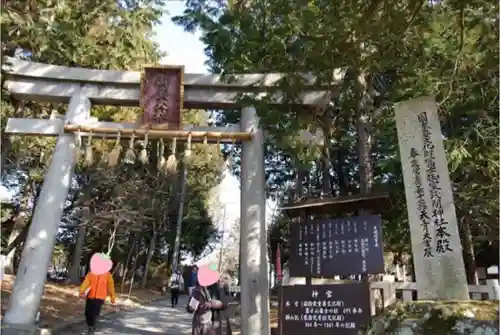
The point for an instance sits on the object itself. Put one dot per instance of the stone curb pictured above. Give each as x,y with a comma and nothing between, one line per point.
80,319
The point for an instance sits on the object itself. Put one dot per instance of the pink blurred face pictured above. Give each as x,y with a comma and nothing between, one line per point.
100,264
207,276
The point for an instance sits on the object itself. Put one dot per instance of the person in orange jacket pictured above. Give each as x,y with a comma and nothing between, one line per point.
96,287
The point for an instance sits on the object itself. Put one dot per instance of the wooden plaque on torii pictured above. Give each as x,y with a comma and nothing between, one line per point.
162,97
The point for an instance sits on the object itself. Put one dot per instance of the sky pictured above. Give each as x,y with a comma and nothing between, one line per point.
182,48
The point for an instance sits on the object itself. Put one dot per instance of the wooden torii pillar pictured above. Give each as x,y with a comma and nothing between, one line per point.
83,88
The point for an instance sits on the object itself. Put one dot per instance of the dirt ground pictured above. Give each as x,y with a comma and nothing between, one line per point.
61,302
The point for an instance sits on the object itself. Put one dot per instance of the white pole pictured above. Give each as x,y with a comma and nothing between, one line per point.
37,252
253,234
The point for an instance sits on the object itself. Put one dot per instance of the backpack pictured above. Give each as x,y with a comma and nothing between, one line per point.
175,282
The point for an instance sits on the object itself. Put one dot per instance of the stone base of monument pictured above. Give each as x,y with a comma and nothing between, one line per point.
13,329
440,318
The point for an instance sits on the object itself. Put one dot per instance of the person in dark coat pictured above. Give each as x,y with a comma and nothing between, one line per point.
203,306
176,284
220,318
193,279
207,304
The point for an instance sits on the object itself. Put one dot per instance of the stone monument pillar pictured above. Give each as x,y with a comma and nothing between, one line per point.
437,251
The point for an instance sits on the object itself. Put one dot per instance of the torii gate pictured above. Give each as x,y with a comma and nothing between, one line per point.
81,89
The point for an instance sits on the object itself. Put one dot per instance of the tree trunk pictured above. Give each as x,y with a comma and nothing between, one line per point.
412,264
364,148
15,237
132,238
342,178
116,269
309,183
30,192
317,177
74,272
18,241
19,112
364,152
151,250
6,145
326,162
134,268
468,250
151,246
299,188
364,137
337,166
172,211
180,218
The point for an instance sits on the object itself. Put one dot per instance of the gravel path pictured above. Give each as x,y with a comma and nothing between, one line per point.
156,318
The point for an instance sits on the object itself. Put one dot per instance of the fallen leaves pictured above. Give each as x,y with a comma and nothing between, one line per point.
60,302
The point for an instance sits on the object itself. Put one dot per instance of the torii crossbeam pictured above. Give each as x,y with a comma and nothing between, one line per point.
96,129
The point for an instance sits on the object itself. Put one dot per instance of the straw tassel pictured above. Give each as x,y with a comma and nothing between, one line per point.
218,142
114,155
143,156
130,154
188,151
171,166
89,155
161,157
104,158
104,155
78,146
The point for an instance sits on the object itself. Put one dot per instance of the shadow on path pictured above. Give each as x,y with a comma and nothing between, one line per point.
156,318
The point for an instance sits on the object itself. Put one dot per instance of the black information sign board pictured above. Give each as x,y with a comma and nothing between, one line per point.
324,309
337,247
